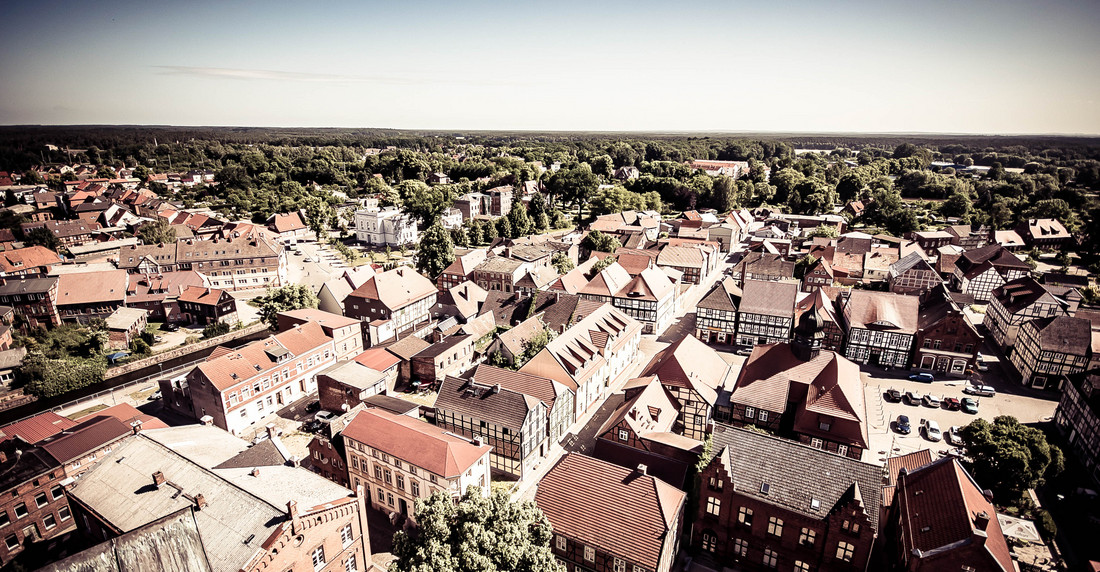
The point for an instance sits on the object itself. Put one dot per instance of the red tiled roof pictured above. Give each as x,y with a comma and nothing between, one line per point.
378,359
611,508
231,368
287,223
396,288
37,428
201,295
127,414
85,438
939,505
92,287
691,364
30,257
540,388
415,442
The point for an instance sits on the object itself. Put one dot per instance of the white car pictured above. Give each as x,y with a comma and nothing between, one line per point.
953,436
325,416
932,430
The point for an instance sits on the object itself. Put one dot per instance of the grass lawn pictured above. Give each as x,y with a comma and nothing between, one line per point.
88,411
144,394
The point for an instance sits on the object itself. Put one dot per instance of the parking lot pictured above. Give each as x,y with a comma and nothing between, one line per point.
1011,399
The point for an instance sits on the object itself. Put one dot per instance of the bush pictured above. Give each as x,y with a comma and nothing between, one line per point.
216,329
46,377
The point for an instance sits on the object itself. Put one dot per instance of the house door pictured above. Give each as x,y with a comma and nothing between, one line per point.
876,355
1040,382
941,364
403,506
279,397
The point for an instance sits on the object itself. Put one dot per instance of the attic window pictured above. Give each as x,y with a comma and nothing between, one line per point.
815,504
764,488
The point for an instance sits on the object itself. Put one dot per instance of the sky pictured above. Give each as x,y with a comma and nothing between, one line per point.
780,65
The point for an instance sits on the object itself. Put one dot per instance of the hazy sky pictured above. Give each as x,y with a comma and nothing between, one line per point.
960,67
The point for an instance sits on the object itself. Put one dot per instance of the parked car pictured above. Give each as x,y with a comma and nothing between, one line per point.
312,426
902,425
924,376
260,437
980,390
893,395
155,396
307,259
912,397
951,403
313,406
982,366
969,405
324,416
743,350
953,436
932,430
931,401
171,327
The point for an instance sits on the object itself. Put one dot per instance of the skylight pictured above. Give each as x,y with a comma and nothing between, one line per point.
815,504
764,488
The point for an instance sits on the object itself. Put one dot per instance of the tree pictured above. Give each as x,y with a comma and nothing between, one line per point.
825,230
1063,259
476,533
1008,456
42,236
574,185
105,172
423,202
216,329
724,194
601,264
533,346
141,173
520,222
803,265
957,205
9,198
562,263
284,299
159,232
436,251
597,241
46,377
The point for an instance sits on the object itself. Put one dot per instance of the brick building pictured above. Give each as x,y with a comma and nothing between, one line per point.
204,306
33,505
947,343
346,333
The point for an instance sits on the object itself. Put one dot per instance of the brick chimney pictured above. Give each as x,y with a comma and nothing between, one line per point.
643,470
295,520
271,431
136,426
206,420
158,479
255,472
981,520
200,501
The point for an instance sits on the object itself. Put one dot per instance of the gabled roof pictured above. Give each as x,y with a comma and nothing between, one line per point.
725,295
289,222
766,264
691,364
820,302
768,298
35,429
646,411
92,287
882,311
396,288
681,257
910,261
793,472
251,360
169,543
608,282
30,257
610,507
321,317
128,414
1063,334
894,465
379,359
650,284
514,338
464,264
544,389
939,506
503,407
1019,294
415,441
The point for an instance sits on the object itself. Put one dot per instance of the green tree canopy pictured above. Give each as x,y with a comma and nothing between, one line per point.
436,251
284,299
42,236
562,263
597,241
159,232
475,534
1010,457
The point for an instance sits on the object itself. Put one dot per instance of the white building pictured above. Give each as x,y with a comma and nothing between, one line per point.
385,227
451,218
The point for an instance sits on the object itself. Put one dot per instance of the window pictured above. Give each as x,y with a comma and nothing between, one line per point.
20,510
40,500
740,547
844,551
64,513
414,488
807,537
378,472
49,521
716,484
775,526
318,557
714,506
12,541
589,554
744,516
401,482
623,435
800,566
349,566
387,476
763,415
389,499
770,558
824,425
750,412
560,540
345,536
4,518
620,566
817,443
842,450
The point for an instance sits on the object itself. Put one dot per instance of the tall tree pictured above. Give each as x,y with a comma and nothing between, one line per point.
521,223
476,533
1008,456
284,299
41,236
435,252
159,232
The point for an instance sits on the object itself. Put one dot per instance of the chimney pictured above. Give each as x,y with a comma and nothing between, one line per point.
206,420
643,470
295,520
255,472
200,502
477,441
496,389
988,494
271,432
982,520
136,426
158,479
295,461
